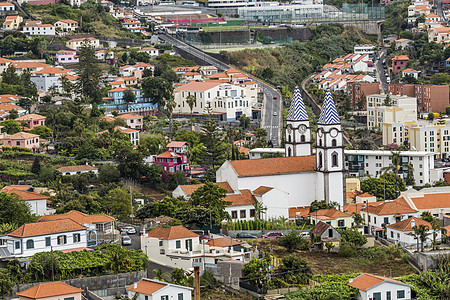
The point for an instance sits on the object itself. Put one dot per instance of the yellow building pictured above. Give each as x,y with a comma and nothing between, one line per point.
12,22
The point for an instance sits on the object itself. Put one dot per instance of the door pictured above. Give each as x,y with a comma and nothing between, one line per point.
388,295
189,245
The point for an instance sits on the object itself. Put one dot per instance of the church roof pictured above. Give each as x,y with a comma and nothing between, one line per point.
328,114
297,111
274,166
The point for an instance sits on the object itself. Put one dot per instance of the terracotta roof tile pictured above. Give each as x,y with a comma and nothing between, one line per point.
172,233
245,197
23,194
320,228
330,213
8,107
301,212
223,242
49,289
176,144
198,86
366,281
168,154
262,190
76,168
129,116
146,287
274,166
389,208
432,201
79,217
406,225
30,117
49,227
189,189
365,195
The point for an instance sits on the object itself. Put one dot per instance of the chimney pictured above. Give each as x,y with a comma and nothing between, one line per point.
413,222
135,285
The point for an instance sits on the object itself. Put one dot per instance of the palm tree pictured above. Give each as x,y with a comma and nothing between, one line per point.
422,230
436,226
259,209
357,219
415,234
118,259
191,101
24,124
159,274
395,167
170,105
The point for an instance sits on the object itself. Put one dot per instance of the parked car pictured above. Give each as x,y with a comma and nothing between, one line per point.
272,234
205,237
447,164
129,229
275,113
275,97
119,227
123,233
243,235
304,234
126,240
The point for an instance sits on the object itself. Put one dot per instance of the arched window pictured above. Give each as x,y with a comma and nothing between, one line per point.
320,142
289,138
289,152
334,159
320,160
333,143
302,138
30,244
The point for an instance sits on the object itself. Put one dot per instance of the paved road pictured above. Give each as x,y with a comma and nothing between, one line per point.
380,71
271,106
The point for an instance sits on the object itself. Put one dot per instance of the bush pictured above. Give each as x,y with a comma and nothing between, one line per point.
347,249
293,241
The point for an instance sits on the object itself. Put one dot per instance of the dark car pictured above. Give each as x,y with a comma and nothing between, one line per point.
447,164
272,234
242,235
275,97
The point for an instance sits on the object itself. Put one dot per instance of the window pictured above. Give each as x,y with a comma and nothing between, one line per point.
252,213
388,295
334,159
375,220
165,297
333,142
178,244
180,296
160,243
69,298
234,214
30,244
242,214
17,245
376,296
162,251
330,233
146,297
76,238
62,239
386,220
392,234
48,242
302,138
341,223
320,160
400,294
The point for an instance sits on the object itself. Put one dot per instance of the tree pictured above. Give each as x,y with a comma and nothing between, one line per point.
152,145
329,246
130,163
178,276
43,131
295,270
427,216
36,167
259,209
170,106
362,101
440,78
244,122
385,187
118,259
129,96
409,180
10,126
88,81
14,210
353,236
395,166
191,101
257,272
108,173
95,112
215,152
160,275
211,196
10,77
436,227
388,100
26,102
13,114
423,234
119,200
157,89
293,241
430,116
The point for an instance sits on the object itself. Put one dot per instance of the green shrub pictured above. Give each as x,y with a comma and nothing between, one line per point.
347,250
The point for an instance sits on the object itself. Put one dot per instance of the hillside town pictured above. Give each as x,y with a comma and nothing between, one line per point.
224,150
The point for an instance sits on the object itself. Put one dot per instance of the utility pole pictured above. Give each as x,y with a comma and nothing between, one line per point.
196,283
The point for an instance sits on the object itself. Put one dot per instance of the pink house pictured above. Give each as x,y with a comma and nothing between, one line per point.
51,291
399,62
175,158
33,120
66,57
21,139
132,121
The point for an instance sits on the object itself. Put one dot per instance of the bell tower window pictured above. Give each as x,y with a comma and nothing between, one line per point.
302,138
334,159
289,138
333,142
320,160
289,152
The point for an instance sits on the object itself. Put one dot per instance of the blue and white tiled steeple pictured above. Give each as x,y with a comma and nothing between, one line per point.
328,114
297,111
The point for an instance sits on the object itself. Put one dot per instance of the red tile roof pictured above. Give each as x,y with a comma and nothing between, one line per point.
30,117
146,287
23,194
389,208
172,233
189,189
223,242
262,190
274,166
367,281
128,116
299,212
431,201
176,144
320,228
79,217
328,214
245,197
168,154
49,227
406,225
49,289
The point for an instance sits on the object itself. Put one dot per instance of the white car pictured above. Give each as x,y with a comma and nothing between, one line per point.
129,229
126,240
275,113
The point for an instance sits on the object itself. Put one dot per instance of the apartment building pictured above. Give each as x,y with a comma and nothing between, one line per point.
356,89
430,98
403,109
364,49
12,22
439,34
399,62
221,97
37,28
430,137
361,163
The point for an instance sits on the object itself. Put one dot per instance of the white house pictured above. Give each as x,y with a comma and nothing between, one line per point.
410,72
133,134
100,223
373,287
79,169
178,247
104,55
36,202
242,205
275,201
37,28
332,216
153,52
50,78
59,235
75,44
435,200
6,6
387,212
66,26
151,289
402,232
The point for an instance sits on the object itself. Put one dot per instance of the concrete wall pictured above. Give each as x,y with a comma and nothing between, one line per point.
111,283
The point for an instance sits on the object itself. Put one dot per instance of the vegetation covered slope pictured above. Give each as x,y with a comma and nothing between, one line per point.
290,64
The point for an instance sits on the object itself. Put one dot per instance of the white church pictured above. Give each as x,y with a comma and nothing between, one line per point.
296,180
